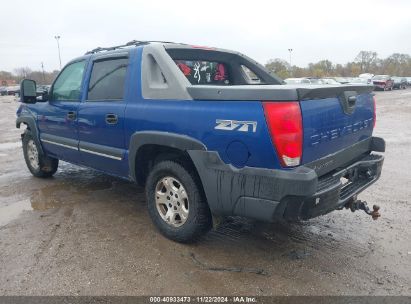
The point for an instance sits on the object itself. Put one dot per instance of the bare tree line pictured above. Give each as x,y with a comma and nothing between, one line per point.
365,62
24,72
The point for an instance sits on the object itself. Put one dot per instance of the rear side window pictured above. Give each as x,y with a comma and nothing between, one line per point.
252,77
68,84
205,72
208,66
107,79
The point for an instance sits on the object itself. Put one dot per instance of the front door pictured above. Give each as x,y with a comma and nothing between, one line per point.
101,117
58,117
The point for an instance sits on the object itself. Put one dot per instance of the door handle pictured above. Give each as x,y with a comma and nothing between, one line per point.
71,115
111,119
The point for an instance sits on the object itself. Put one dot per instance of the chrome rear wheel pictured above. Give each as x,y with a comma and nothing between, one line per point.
176,201
172,201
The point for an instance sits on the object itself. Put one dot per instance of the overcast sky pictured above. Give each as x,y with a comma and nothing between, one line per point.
315,30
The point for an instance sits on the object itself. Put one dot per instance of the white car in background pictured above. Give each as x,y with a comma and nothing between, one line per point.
329,81
360,80
367,76
297,81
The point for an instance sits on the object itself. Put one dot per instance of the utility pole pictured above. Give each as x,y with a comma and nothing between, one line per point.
42,69
291,67
58,47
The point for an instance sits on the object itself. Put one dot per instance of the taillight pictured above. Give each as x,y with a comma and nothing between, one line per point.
285,125
375,112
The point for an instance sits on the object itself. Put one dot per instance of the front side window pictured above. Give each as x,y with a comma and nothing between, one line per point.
68,84
107,79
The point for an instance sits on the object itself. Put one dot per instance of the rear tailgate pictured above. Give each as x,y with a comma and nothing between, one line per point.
338,124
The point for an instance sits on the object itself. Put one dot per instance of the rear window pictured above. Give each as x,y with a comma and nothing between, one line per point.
205,72
107,79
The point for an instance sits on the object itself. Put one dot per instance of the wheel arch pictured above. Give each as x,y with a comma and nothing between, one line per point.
147,146
30,123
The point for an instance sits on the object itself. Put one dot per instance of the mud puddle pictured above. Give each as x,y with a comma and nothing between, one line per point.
71,186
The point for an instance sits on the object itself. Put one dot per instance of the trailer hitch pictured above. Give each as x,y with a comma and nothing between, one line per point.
355,204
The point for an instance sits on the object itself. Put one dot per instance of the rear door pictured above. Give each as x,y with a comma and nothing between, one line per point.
57,118
101,116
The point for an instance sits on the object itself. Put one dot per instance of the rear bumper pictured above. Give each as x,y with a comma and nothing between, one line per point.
298,193
332,193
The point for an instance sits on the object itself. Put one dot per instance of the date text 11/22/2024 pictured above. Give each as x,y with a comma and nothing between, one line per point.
203,299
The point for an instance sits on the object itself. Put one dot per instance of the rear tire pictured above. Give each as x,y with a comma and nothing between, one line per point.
176,202
39,164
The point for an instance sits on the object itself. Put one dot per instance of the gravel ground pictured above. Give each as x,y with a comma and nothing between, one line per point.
86,233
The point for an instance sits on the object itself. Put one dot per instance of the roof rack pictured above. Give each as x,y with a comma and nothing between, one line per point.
128,44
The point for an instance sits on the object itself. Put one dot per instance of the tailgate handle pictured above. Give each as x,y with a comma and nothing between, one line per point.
351,100
348,100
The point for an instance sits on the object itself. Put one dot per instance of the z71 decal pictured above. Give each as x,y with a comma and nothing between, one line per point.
236,125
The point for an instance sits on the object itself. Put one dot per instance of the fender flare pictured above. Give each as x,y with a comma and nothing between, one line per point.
172,140
30,122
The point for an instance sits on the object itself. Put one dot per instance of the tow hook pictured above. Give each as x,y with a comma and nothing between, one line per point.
354,204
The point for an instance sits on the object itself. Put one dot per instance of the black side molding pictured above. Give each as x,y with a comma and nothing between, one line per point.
101,150
68,142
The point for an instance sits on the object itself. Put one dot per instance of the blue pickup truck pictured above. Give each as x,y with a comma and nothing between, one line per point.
209,132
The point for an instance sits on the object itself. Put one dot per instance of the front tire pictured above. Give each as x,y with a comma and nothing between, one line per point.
39,164
176,202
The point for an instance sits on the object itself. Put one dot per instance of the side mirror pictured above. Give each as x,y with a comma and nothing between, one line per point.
28,91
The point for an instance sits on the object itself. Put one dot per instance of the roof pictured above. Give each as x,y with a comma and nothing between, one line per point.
132,43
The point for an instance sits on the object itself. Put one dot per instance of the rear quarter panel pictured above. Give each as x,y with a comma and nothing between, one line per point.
197,119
